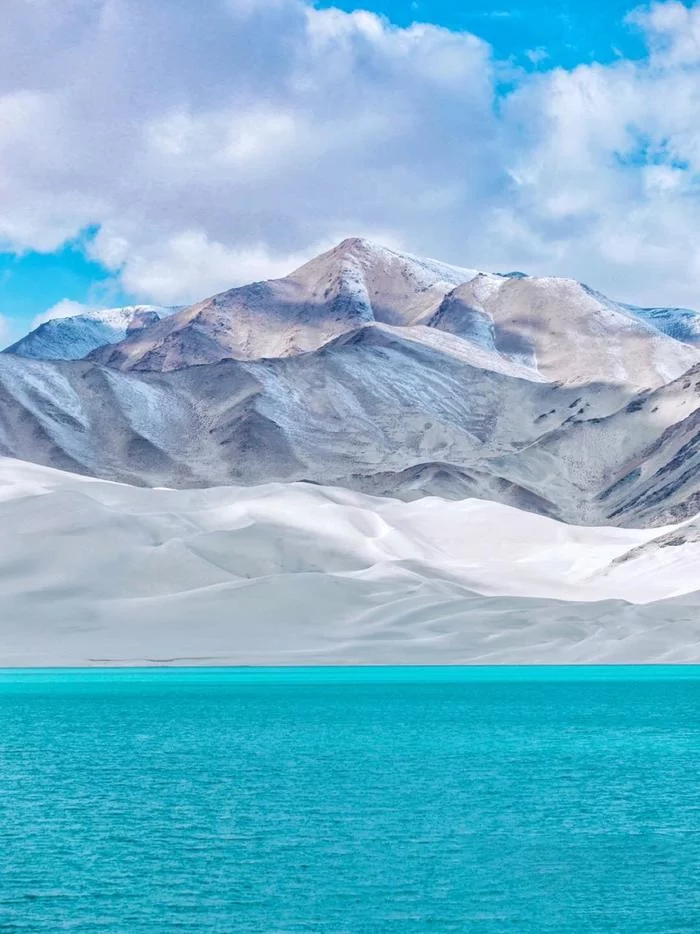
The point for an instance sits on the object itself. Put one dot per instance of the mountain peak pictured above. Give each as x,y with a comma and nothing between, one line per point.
556,328
351,244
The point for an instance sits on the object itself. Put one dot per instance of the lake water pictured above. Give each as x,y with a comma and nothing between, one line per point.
350,800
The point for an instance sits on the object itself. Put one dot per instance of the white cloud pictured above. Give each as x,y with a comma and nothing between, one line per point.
7,331
672,30
221,143
265,129
608,166
174,269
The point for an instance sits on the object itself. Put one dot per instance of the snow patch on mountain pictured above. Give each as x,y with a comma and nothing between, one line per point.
424,272
683,324
75,336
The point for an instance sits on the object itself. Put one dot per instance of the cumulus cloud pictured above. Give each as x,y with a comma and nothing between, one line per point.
176,267
217,144
608,166
7,331
254,130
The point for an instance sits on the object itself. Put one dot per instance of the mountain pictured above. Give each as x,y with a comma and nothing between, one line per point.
355,283
683,324
375,410
556,329
535,392
97,573
566,331
76,336
378,458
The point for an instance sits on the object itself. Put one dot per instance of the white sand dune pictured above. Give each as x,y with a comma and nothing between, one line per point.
93,572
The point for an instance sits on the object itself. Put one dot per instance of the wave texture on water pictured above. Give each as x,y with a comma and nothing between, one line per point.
348,800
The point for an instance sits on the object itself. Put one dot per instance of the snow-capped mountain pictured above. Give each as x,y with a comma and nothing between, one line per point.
552,328
392,385
565,331
389,374
556,329
354,284
74,337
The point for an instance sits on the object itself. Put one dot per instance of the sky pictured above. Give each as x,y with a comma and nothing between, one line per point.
162,152
570,32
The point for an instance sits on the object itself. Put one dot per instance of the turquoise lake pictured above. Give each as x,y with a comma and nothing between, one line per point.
350,800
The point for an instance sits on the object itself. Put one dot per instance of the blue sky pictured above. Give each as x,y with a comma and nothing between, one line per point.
31,282
568,31
163,152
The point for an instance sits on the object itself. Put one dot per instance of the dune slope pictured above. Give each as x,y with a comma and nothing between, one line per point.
94,573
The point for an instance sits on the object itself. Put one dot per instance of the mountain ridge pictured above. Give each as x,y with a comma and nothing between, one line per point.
75,336
558,328
353,284
374,412
536,392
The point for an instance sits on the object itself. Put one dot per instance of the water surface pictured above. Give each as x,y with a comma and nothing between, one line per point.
350,800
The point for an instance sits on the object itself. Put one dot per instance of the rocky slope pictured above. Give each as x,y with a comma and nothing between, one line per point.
373,410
